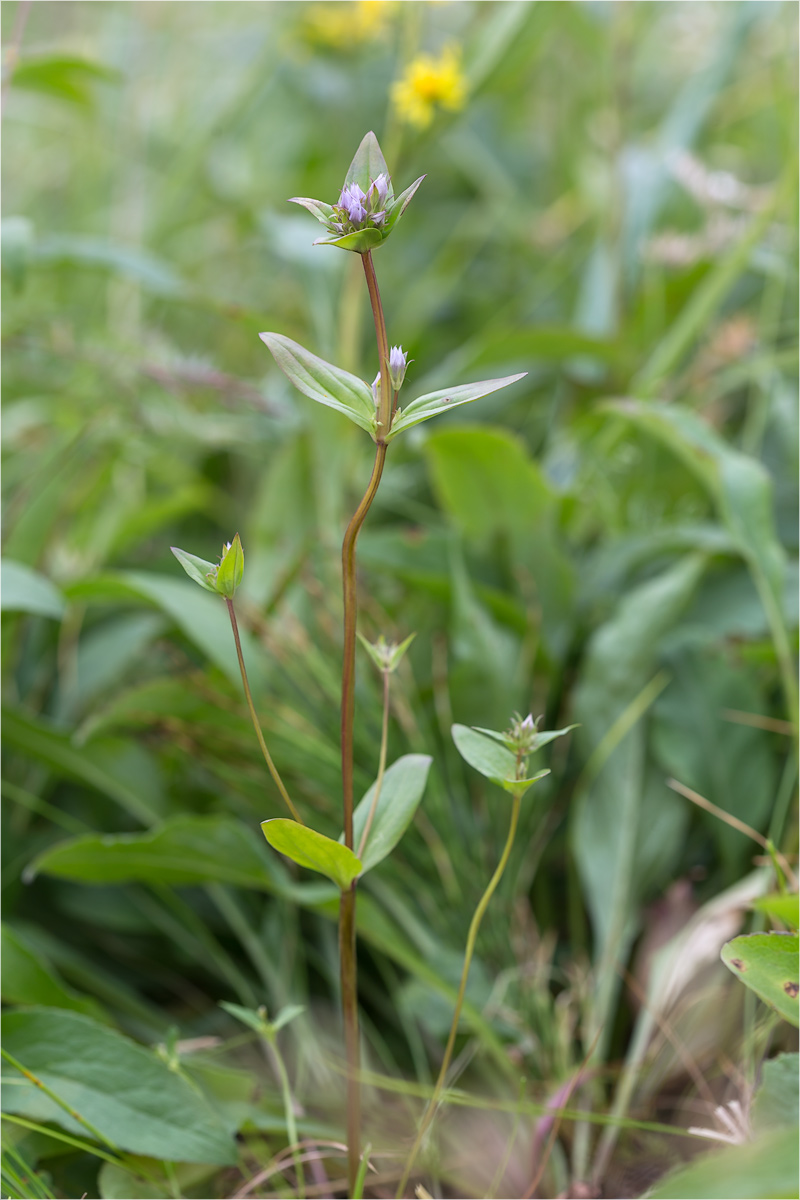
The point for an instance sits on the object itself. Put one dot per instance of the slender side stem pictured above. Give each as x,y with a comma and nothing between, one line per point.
381,765
288,1111
471,937
273,770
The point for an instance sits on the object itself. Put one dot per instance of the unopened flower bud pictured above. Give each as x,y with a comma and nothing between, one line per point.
397,367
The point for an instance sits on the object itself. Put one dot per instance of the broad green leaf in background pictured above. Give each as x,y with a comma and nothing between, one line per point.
184,850
63,76
28,979
446,398
310,849
769,963
323,382
494,761
123,1089
742,490
401,791
26,590
148,1179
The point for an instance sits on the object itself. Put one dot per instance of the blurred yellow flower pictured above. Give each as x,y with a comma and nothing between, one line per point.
427,83
343,25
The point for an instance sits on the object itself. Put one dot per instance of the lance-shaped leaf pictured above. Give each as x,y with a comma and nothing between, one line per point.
537,741
322,381
318,208
399,205
768,963
401,791
435,402
360,240
494,761
368,163
196,568
310,849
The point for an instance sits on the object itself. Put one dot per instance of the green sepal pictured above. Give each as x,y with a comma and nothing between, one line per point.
197,568
310,849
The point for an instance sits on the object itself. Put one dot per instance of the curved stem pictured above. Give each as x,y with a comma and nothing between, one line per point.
471,937
381,765
273,770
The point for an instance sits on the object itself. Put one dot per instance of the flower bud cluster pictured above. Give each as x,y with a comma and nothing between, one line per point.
521,737
358,209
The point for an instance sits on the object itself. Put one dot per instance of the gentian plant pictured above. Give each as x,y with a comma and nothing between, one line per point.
366,213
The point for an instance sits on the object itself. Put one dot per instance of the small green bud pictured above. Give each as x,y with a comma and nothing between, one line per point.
386,655
224,577
231,568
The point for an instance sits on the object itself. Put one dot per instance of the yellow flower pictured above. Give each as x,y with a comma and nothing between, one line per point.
343,25
427,83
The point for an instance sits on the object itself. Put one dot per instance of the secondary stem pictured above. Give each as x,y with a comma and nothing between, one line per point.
273,770
471,937
347,909
381,766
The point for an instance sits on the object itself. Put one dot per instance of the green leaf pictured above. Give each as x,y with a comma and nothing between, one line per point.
768,964
446,398
399,205
360,241
28,979
323,212
196,568
785,907
401,791
185,850
124,1090
310,849
368,163
494,761
26,590
321,381
776,1100
766,1169
66,77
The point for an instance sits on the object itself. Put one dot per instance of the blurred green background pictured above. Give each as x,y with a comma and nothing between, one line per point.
609,205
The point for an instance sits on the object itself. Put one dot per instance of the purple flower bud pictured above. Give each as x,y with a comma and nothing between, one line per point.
397,366
353,202
376,389
378,191
528,724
